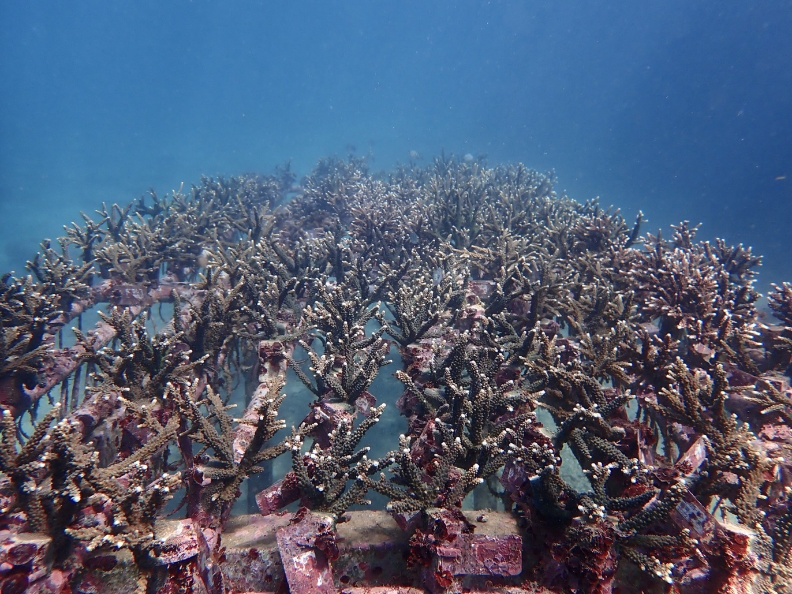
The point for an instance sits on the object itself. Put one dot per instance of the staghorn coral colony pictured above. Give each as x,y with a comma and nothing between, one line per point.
531,334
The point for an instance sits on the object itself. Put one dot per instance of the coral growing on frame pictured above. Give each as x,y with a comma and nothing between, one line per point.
585,408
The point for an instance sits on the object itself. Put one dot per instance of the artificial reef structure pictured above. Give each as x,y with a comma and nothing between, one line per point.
529,332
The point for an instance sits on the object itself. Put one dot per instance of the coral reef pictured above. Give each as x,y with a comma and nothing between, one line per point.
585,408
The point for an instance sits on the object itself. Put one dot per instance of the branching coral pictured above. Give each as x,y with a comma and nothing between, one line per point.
323,474
23,465
220,473
58,276
474,427
446,486
26,314
351,359
60,485
662,378
141,366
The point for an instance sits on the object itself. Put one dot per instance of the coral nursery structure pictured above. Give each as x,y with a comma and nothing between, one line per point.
585,408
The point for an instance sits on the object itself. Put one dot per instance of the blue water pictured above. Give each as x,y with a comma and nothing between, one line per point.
681,109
